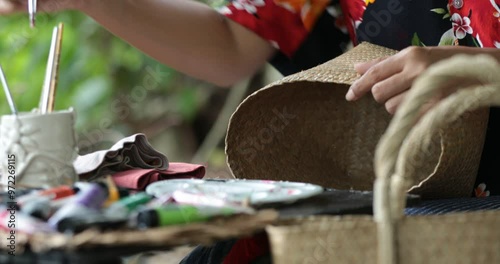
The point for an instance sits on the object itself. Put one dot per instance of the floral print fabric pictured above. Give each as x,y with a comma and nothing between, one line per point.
288,23
284,23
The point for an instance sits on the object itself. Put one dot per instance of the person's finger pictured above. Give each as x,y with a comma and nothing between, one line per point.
445,90
363,67
393,103
390,87
375,74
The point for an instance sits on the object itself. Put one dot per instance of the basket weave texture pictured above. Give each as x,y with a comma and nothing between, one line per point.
455,238
301,128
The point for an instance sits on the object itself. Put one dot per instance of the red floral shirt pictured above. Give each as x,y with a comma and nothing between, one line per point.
287,23
309,32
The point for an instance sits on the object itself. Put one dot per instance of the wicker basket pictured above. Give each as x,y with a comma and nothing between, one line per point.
390,236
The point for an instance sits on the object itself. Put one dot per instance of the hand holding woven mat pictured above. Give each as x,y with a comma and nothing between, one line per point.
301,128
472,237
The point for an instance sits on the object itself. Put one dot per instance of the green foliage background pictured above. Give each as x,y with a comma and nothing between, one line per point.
97,77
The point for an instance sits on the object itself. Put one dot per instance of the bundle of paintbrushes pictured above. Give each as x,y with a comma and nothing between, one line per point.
47,99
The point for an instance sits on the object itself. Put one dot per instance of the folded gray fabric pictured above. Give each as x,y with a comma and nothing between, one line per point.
133,152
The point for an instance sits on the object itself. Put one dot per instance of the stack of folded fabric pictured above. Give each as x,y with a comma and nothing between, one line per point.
139,179
133,163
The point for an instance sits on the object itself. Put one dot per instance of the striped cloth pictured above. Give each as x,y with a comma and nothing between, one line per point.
454,205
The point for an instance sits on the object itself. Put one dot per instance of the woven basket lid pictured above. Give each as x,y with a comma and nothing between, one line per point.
301,128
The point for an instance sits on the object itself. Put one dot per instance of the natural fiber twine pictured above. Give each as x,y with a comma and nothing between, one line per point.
390,237
301,128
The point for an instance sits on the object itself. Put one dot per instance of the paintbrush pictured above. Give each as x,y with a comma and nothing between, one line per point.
32,11
51,73
7,92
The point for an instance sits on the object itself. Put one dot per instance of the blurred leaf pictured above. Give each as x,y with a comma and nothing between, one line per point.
188,103
90,93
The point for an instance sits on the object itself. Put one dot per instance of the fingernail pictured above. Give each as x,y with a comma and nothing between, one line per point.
350,95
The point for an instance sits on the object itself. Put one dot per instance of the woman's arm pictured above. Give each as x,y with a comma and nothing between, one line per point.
183,34
390,78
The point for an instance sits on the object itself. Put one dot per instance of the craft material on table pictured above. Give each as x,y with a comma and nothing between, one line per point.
42,147
50,83
113,192
8,95
95,240
334,202
43,203
133,152
22,223
87,204
124,207
139,179
174,214
251,192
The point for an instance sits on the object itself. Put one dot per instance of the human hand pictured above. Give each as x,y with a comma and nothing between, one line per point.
16,6
389,79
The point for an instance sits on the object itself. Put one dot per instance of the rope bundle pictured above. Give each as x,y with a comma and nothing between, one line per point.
391,154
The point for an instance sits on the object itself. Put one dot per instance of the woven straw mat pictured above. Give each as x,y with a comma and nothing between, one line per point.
301,128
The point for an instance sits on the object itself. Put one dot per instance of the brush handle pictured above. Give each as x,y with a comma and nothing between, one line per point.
49,87
55,74
10,100
32,8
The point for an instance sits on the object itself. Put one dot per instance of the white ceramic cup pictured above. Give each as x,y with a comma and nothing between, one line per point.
38,149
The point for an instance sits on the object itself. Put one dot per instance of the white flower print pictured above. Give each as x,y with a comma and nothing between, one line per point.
275,44
497,44
481,191
249,5
461,26
478,38
286,6
225,10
